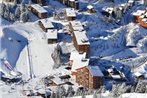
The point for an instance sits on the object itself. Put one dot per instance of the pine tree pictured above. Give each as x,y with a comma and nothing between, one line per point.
70,91
17,12
103,89
30,2
12,17
24,17
7,12
15,3
141,86
2,9
62,91
83,95
22,7
53,95
95,95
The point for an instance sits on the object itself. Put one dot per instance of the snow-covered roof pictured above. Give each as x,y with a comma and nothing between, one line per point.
110,70
51,34
79,64
39,8
144,19
70,12
47,23
116,76
81,38
71,0
89,7
79,61
108,9
57,81
95,70
137,74
141,16
122,5
130,1
76,55
77,25
139,12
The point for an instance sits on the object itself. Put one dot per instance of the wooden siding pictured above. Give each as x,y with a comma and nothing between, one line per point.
139,20
42,27
51,41
73,4
80,48
84,78
39,15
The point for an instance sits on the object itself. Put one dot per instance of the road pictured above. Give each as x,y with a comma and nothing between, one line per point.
30,61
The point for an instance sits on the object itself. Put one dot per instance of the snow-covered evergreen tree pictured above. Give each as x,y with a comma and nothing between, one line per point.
12,17
53,95
95,95
115,91
78,92
7,12
30,2
24,17
103,89
17,12
132,89
56,56
2,9
70,91
125,8
62,91
83,95
141,87
14,3
22,7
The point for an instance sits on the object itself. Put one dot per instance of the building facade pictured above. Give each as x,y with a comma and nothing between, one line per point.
75,26
140,16
38,10
81,41
70,14
71,3
90,77
45,24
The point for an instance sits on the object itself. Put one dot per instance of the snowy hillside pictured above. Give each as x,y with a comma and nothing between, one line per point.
117,45
16,40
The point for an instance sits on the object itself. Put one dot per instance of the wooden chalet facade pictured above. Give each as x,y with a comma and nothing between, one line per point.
70,14
45,24
71,3
90,77
38,10
75,26
141,17
81,41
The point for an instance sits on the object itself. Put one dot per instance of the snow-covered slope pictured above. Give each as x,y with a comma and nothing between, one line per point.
134,34
15,42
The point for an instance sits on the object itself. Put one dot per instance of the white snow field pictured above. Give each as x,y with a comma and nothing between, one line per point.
31,39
